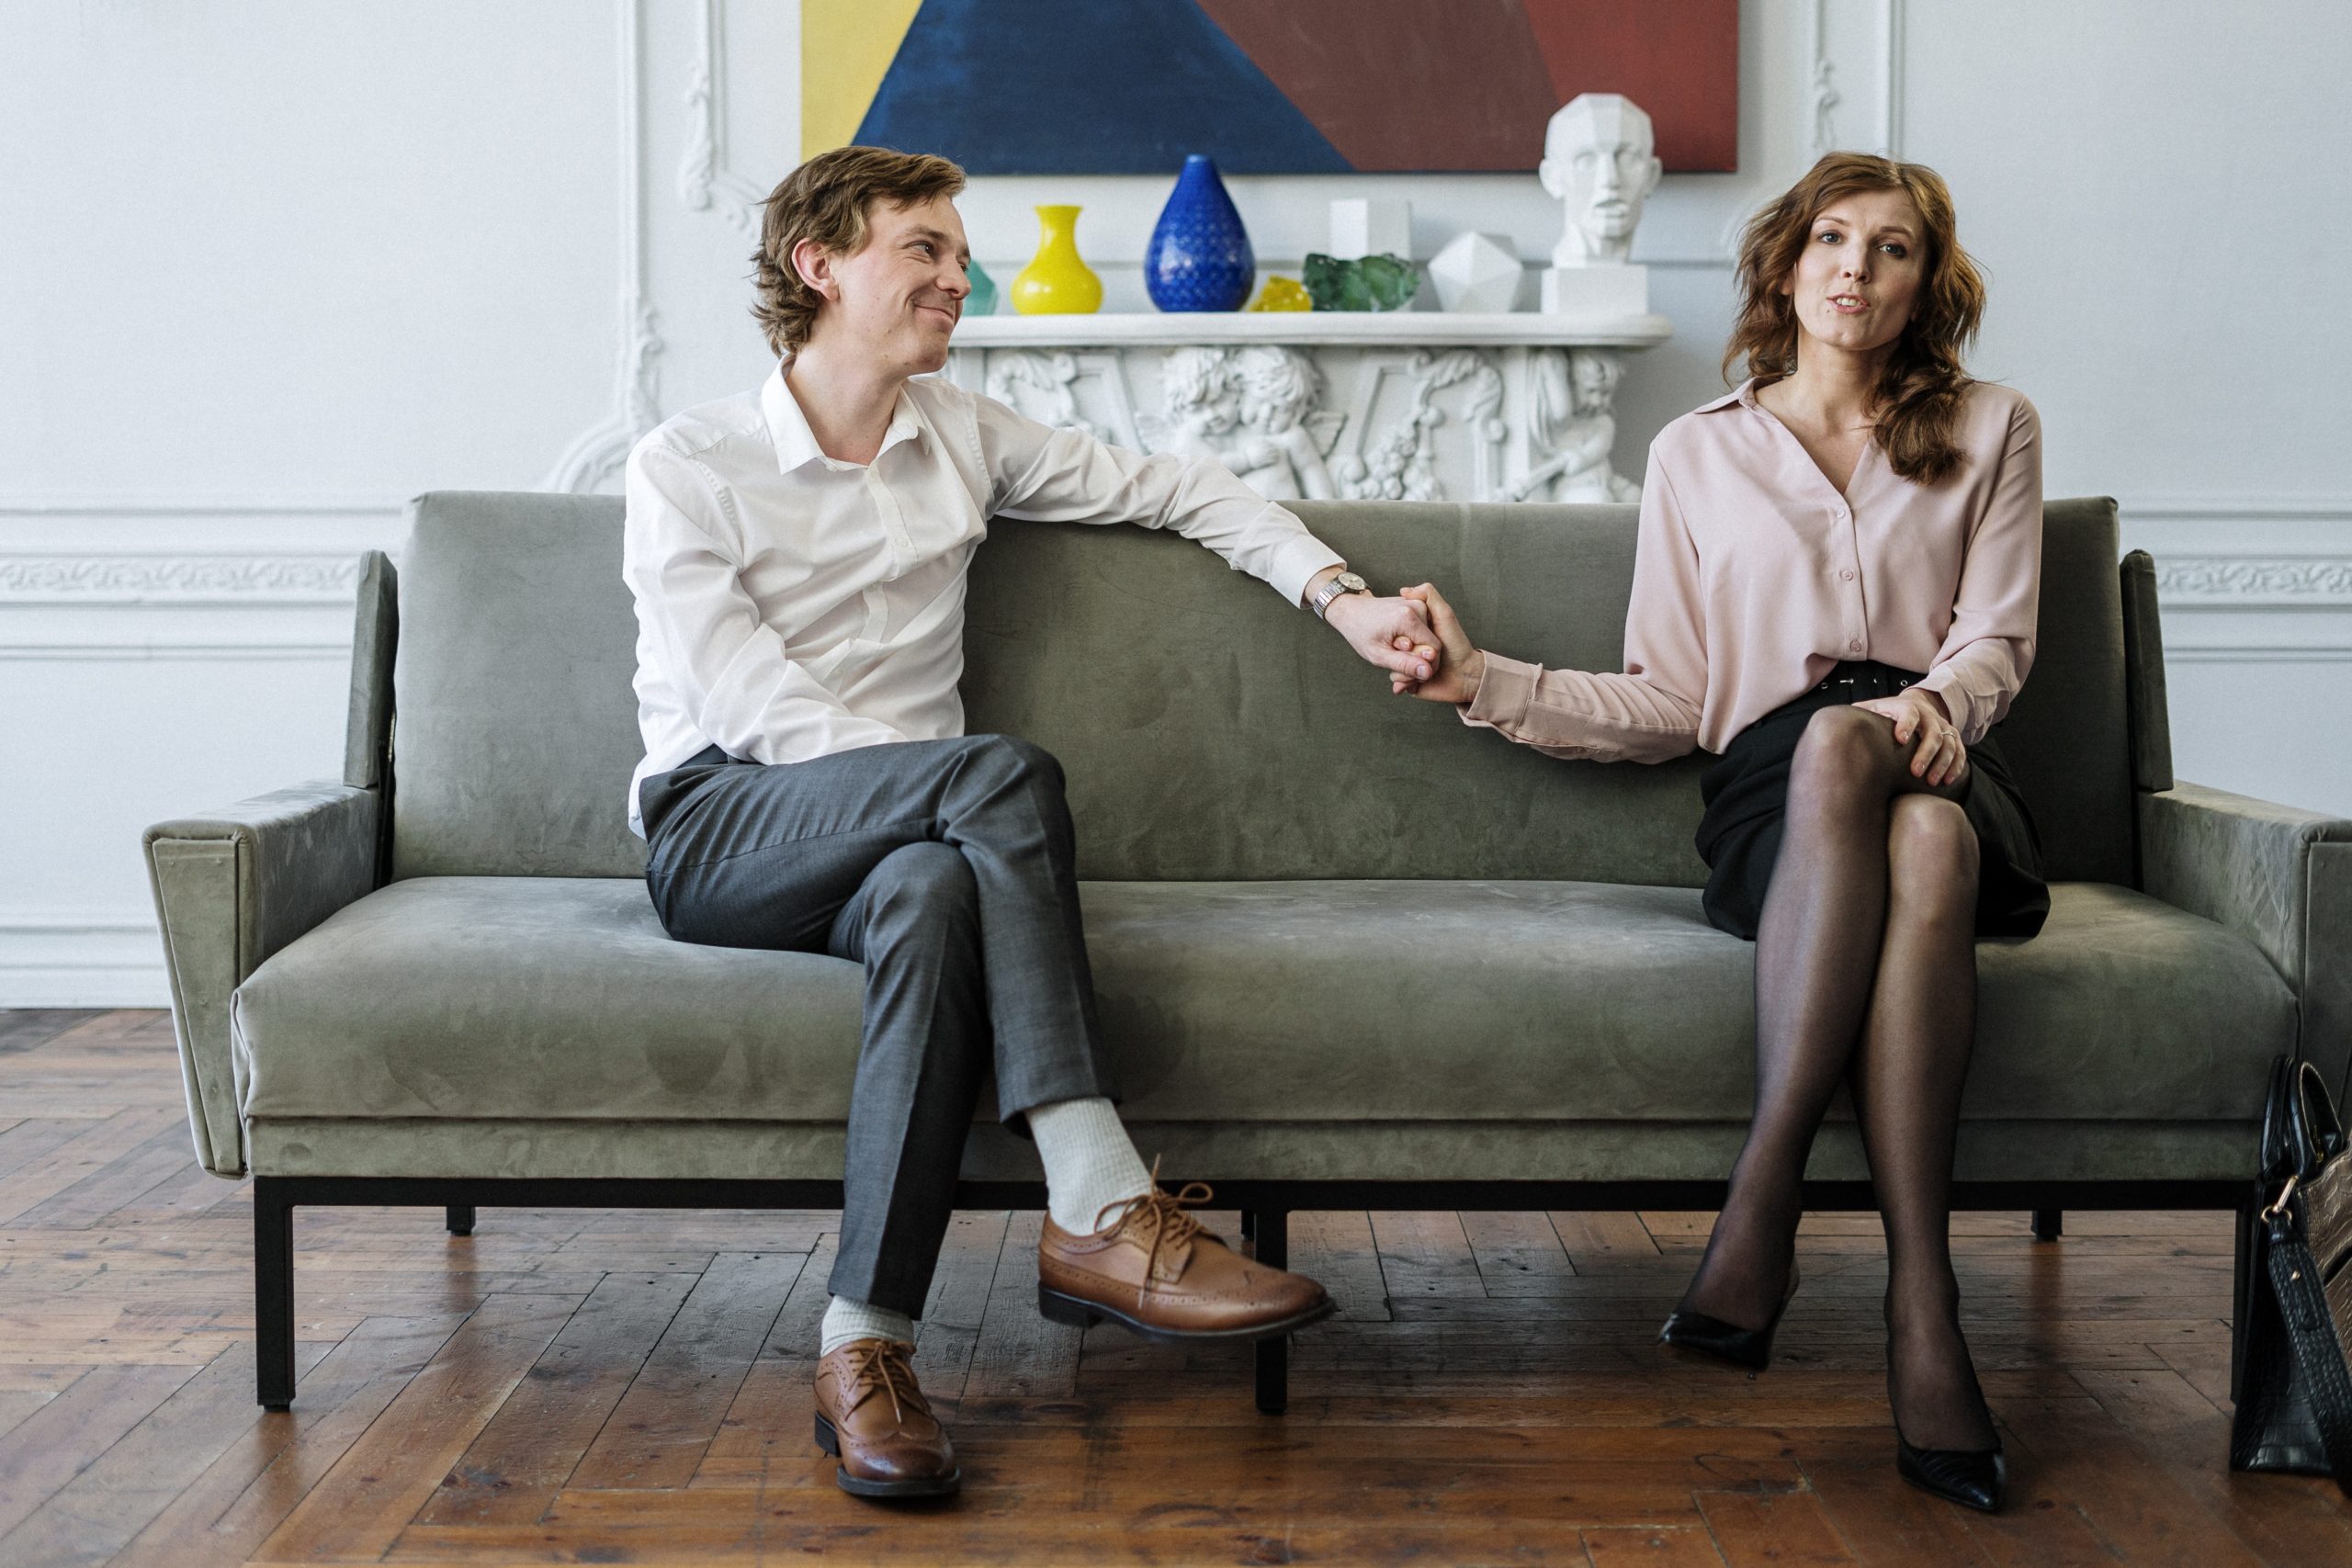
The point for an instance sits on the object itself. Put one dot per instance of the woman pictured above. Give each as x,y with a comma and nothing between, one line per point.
1835,589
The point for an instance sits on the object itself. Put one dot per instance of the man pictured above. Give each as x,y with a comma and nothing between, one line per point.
798,555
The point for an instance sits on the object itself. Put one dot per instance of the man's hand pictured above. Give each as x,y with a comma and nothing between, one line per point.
1461,664
1941,758
1392,633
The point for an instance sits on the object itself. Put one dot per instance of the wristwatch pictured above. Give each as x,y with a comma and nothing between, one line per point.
1346,582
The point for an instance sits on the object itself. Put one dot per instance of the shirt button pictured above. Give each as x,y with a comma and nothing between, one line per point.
1855,646
1846,575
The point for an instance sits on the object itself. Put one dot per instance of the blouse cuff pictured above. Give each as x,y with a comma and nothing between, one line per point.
1944,681
1503,694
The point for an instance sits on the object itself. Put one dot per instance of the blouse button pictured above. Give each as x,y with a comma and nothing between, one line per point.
1855,646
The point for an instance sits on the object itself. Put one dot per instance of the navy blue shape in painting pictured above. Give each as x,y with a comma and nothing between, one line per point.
1086,87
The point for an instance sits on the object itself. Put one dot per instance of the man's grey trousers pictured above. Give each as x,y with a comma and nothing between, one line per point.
947,868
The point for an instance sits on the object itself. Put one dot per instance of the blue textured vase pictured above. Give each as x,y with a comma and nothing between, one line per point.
1199,258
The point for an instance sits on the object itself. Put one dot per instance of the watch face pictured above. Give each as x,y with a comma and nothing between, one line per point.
1351,583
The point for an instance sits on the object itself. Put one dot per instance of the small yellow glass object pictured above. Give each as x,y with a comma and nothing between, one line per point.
1056,282
1283,294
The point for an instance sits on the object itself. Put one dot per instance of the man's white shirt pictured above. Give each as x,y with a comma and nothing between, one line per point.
790,606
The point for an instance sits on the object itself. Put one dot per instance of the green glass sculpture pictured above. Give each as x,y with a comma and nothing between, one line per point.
982,301
1371,283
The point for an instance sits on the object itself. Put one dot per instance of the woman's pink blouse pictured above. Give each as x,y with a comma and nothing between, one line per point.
1753,576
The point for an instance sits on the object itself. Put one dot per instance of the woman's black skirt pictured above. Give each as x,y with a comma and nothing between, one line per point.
1746,795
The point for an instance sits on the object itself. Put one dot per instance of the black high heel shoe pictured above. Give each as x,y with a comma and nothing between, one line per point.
1973,1478
1748,1348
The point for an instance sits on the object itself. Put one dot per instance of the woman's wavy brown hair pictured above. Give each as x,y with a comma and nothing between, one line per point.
1920,387
827,199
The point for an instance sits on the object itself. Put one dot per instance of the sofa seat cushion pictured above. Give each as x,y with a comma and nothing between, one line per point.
561,999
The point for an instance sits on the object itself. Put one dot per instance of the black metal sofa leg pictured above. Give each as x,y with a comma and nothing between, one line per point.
273,1296
1269,1230
461,1219
2049,1224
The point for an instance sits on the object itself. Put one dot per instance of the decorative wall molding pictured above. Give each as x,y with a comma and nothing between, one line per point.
177,578
2325,579
1825,98
705,181
73,958
594,459
1890,101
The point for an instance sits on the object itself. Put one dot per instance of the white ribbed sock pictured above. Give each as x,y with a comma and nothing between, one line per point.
1090,1160
846,1320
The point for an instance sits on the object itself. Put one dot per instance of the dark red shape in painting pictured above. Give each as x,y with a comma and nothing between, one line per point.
1678,59
1469,84
1404,85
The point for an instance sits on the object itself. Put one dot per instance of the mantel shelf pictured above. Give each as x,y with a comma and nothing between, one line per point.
1318,329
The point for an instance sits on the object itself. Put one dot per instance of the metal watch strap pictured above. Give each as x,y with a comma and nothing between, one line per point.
1345,582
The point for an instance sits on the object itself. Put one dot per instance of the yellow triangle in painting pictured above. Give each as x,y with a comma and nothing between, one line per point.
847,47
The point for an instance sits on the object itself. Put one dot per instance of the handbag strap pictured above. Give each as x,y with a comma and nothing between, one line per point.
2319,1357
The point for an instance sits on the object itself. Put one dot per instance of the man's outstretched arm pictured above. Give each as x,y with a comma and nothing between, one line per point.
1060,475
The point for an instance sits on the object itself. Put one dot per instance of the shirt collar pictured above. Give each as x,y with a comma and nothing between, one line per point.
795,444
1743,394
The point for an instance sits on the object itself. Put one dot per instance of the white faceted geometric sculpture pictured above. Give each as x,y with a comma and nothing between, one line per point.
1476,272
1371,226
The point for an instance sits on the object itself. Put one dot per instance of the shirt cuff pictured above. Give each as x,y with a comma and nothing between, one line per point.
1504,691
1295,563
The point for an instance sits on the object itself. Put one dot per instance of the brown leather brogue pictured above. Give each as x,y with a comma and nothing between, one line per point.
1150,1267
871,1414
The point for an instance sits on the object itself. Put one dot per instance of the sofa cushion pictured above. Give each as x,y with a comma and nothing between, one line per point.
561,999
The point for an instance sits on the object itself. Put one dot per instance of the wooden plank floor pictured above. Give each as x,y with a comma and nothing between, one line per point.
589,1387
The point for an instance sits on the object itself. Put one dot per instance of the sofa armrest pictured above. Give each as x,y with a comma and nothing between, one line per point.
231,888
2278,876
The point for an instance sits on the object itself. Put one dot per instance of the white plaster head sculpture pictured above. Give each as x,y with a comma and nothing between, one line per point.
1600,159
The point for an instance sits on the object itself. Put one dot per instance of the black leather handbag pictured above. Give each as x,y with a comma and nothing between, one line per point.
2294,1404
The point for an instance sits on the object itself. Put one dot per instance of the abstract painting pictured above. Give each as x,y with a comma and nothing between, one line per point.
1263,86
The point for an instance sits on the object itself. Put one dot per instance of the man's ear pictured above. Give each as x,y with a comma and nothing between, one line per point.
1656,173
1554,177
815,266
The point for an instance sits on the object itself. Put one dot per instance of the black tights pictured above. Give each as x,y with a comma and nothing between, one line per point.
1865,973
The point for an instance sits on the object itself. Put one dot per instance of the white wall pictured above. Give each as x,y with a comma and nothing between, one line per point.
268,268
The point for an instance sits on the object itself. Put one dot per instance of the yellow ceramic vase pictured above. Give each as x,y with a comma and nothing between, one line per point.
1056,282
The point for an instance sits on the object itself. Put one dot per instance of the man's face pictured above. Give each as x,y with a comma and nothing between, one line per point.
898,297
1600,162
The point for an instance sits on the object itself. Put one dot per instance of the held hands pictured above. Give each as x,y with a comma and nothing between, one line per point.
1392,633
1461,664
1941,758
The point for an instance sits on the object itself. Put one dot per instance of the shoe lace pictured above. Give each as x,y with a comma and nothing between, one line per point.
1162,1216
887,1362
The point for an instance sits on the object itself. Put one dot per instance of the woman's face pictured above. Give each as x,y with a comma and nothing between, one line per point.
1858,278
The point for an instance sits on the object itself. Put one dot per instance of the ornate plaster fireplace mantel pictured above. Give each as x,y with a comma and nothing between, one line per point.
1402,406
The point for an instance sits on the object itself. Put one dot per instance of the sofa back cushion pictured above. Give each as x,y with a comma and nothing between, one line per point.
514,719
1208,733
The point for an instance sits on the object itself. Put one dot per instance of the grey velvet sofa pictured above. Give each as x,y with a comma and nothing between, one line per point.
1348,951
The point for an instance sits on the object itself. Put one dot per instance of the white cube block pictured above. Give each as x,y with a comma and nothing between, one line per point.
1371,227
1476,273
1602,290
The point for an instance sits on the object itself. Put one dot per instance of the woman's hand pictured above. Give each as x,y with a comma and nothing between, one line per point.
1940,757
1460,664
